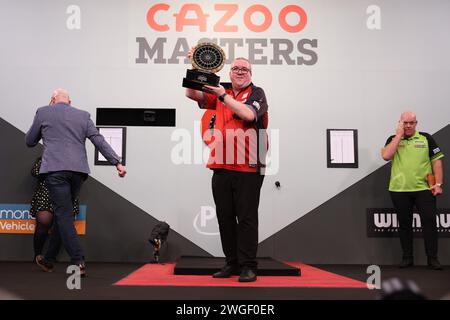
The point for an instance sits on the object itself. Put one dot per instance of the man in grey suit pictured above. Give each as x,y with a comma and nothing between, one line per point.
63,130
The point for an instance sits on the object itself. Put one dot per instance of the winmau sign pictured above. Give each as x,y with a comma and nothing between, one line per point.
383,222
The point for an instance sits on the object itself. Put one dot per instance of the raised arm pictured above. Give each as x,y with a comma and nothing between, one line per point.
389,150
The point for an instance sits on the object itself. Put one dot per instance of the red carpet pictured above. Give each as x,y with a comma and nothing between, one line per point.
162,275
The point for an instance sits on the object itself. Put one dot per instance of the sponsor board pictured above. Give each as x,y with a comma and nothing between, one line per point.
383,222
16,219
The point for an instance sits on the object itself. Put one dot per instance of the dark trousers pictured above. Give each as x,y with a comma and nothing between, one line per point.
64,187
425,203
236,195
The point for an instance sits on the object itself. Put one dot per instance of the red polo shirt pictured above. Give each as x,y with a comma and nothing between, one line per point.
236,144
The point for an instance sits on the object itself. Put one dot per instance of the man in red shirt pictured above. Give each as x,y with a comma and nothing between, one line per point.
237,157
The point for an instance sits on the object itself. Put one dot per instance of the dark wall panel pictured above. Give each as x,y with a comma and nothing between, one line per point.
336,231
117,230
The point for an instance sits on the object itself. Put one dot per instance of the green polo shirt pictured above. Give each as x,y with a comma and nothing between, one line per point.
412,162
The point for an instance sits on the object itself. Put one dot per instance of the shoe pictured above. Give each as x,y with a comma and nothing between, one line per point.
406,263
225,272
433,263
44,264
82,267
247,275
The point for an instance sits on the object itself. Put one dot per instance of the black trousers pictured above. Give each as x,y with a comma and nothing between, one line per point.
425,203
236,195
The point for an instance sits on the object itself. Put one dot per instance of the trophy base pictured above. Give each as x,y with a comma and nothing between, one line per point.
196,79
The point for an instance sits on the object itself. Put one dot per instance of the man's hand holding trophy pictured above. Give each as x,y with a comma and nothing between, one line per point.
207,58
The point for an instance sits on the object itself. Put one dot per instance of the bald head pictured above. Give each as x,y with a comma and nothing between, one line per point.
409,121
408,116
60,95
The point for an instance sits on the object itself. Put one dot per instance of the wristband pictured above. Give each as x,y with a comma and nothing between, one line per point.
222,97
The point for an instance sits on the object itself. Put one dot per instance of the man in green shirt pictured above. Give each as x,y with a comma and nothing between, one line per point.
414,155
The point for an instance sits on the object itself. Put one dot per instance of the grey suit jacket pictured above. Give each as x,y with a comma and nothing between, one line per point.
64,130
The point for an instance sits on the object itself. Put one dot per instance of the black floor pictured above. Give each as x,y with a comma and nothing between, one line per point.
26,281
193,265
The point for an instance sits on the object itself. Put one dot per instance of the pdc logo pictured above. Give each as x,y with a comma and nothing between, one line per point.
205,222
285,25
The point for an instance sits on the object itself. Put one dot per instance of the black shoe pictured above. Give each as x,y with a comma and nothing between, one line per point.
44,264
406,263
247,275
225,272
433,263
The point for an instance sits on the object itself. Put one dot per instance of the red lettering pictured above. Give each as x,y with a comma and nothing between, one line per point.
287,27
151,17
199,18
181,20
230,9
267,18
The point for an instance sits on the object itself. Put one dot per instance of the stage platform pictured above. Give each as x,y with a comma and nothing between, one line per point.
192,265
25,280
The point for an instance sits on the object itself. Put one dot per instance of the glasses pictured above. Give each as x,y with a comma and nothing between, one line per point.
240,70
411,123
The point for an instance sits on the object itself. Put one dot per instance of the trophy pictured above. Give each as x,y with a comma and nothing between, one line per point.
206,59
